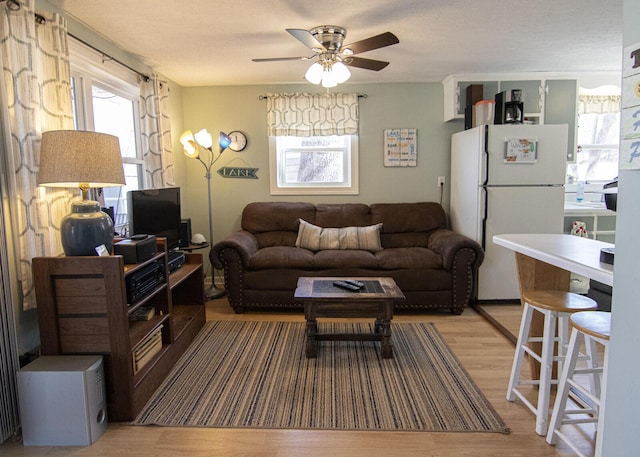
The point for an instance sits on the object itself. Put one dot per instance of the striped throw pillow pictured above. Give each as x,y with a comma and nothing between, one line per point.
317,238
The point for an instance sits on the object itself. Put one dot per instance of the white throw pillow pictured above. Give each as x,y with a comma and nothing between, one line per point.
317,238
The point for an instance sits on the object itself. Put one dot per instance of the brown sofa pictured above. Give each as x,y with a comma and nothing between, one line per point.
434,267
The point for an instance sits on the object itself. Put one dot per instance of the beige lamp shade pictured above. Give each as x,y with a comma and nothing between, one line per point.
75,158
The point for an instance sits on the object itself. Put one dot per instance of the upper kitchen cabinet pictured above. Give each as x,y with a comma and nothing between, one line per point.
561,108
547,98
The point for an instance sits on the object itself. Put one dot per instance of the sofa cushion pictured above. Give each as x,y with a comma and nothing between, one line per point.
404,240
281,257
341,215
261,217
275,238
401,258
318,238
345,258
409,217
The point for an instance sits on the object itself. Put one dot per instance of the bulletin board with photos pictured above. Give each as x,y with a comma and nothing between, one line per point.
521,150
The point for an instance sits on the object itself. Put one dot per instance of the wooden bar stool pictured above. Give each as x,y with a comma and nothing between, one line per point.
590,328
556,307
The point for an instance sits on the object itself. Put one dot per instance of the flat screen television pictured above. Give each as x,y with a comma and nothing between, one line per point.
155,212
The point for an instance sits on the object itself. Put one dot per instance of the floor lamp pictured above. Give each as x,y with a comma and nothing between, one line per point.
191,146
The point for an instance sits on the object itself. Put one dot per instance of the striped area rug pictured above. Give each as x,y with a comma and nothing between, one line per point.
256,375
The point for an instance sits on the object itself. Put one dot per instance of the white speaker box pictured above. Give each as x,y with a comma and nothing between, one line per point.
62,400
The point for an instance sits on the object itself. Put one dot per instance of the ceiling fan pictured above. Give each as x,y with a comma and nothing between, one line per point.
326,43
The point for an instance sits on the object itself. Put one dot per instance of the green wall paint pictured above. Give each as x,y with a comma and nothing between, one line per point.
386,106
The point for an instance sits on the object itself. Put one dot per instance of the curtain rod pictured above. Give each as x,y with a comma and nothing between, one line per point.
145,77
15,5
264,97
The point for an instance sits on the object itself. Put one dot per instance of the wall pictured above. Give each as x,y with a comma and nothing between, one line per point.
620,434
230,108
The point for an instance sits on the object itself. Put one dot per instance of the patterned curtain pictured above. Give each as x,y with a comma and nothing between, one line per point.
156,133
312,114
35,60
602,104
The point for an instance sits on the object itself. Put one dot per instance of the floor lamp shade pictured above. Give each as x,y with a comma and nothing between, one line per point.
191,144
74,158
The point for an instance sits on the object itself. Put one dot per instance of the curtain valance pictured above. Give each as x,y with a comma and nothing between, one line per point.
588,104
312,114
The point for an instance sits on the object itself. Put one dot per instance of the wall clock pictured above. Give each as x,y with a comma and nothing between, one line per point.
238,141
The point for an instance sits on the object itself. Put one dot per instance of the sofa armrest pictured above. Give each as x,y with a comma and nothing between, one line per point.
243,242
447,243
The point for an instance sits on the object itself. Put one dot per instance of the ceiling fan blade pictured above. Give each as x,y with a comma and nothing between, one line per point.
367,64
276,59
374,42
305,37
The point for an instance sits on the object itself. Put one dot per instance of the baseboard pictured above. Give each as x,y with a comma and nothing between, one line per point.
476,306
507,301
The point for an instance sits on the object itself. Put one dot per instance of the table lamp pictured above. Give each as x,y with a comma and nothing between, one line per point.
74,158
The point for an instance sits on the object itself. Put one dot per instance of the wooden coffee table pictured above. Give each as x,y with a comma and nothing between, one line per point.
322,299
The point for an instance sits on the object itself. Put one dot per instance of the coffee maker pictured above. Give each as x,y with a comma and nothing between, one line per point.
509,107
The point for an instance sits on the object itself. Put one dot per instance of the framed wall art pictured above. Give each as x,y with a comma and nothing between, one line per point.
400,147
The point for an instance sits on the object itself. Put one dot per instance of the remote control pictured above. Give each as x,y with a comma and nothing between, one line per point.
358,284
346,286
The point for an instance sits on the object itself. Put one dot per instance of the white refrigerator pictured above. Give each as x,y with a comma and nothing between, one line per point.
506,179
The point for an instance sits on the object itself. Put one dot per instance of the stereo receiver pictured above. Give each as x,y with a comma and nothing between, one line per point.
145,280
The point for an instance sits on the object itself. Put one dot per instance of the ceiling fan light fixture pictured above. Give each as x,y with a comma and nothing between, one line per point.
326,43
314,73
340,72
328,81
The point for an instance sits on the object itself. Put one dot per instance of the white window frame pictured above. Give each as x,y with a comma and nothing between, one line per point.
351,164
590,185
89,68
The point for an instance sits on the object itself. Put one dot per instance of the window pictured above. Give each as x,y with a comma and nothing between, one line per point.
313,143
106,99
598,140
320,165
598,146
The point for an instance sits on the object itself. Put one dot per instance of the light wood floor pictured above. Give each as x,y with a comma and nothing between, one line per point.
485,353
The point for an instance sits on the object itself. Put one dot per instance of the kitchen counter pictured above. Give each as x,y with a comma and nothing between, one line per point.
587,208
566,252
545,262
601,222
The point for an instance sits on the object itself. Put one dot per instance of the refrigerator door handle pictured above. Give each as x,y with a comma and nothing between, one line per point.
522,185
485,216
485,153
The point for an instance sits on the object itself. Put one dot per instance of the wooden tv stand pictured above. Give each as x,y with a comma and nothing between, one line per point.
83,309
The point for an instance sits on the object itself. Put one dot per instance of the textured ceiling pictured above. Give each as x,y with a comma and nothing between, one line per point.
212,42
